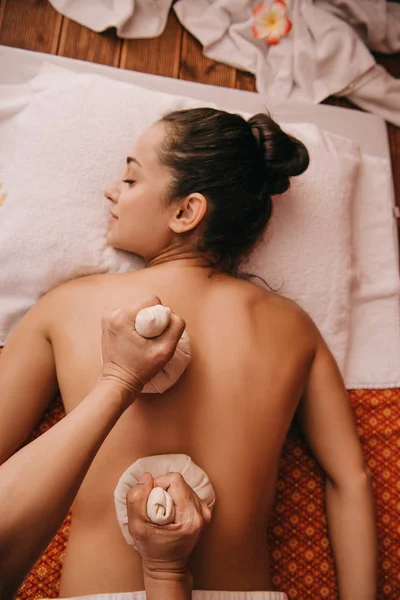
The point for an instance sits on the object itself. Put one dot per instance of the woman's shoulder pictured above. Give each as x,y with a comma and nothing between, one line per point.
82,284
73,294
284,310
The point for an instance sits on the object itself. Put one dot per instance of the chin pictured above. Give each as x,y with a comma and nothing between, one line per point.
108,243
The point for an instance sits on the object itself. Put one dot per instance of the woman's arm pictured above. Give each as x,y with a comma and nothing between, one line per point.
39,483
28,380
326,417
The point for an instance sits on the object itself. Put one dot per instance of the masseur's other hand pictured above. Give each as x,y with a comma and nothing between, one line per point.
129,359
166,548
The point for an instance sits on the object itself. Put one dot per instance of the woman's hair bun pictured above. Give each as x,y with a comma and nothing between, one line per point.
282,154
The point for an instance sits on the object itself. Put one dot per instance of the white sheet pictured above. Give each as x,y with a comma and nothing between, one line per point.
374,359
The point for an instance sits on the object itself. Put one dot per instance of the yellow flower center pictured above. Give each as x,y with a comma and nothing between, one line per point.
270,21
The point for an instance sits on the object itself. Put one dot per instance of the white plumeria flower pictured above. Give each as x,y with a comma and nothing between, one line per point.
271,22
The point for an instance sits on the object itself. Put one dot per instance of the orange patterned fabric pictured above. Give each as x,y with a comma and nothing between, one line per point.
301,558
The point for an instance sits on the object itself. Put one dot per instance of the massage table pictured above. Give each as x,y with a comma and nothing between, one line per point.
300,555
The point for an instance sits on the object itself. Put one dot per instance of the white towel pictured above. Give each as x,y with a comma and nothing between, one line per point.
374,342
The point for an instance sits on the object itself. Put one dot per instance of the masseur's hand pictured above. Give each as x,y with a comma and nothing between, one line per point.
166,548
130,359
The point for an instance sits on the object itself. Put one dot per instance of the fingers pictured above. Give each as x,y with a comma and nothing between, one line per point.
183,496
136,501
206,512
176,327
179,490
123,316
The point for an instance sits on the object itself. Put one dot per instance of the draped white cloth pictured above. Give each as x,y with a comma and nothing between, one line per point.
326,52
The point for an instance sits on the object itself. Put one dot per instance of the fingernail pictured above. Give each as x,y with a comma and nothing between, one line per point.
143,478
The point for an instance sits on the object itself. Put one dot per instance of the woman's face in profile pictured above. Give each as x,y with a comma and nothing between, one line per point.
138,216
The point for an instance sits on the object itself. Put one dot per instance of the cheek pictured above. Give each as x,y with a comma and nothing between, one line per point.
140,219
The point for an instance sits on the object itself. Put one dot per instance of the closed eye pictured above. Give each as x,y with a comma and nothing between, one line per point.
129,181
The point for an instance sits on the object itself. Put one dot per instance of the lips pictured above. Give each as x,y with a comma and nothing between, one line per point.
114,216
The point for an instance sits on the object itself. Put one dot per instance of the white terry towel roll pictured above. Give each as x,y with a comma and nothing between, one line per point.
160,507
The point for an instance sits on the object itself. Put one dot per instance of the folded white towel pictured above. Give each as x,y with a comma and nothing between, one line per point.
160,465
374,342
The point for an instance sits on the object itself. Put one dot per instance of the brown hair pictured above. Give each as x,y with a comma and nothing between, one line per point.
237,165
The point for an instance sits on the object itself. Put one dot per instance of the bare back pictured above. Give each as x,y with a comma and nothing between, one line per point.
230,412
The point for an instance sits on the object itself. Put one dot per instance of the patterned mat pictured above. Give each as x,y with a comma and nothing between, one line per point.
301,559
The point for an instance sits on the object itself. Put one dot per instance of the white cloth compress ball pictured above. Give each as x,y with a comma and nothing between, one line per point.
151,322
160,506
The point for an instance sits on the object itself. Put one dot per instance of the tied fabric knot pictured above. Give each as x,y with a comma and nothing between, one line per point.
271,22
160,507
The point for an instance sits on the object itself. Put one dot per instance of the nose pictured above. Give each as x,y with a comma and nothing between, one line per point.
112,191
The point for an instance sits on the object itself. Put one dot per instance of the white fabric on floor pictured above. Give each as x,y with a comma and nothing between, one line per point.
324,54
131,18
321,56
377,23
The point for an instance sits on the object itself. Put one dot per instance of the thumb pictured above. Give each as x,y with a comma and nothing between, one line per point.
136,498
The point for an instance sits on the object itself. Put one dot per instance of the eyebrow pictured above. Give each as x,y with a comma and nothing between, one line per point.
130,159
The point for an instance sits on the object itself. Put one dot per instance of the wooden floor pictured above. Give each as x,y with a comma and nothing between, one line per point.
36,25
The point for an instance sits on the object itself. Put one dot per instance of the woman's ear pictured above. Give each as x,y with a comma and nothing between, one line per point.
188,213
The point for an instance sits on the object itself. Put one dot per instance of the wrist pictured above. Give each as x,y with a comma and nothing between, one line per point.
166,571
166,584
119,394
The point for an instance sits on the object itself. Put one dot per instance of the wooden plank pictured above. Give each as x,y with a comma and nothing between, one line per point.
2,9
159,56
77,41
394,142
30,25
391,62
196,67
245,81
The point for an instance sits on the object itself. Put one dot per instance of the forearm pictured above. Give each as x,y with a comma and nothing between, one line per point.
167,585
351,522
39,483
